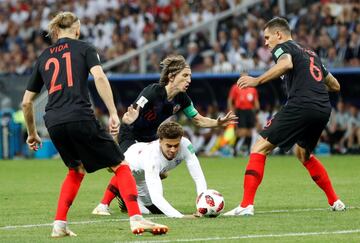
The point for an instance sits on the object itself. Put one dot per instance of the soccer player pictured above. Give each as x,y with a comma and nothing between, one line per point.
149,160
245,102
156,103
83,145
301,121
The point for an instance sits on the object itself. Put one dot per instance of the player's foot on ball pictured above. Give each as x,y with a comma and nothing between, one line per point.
101,209
240,211
338,205
140,225
60,229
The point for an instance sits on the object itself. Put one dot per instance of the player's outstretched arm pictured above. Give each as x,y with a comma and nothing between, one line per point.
283,65
103,87
331,83
155,189
202,121
33,140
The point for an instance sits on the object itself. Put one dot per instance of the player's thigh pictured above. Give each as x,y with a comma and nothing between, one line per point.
95,146
64,145
316,122
286,127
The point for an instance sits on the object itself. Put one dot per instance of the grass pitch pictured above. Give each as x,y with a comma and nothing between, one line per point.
289,207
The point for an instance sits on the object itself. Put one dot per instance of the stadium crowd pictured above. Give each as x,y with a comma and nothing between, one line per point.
117,27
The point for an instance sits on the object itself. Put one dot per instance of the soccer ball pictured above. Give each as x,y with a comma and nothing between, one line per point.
210,203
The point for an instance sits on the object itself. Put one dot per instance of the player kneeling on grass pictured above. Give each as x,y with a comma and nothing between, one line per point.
83,144
150,161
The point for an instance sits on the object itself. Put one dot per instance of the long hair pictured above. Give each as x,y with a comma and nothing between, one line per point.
171,66
63,20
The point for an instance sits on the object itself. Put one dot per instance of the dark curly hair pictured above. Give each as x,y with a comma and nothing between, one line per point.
170,130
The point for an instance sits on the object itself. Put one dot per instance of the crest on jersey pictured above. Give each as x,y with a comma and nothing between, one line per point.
250,97
177,161
176,108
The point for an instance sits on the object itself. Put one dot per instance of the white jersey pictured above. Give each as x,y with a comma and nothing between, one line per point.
147,162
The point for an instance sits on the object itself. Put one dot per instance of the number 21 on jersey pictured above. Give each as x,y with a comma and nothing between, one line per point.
55,62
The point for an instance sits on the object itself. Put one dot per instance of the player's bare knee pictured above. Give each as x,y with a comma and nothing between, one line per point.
80,169
302,154
124,162
262,146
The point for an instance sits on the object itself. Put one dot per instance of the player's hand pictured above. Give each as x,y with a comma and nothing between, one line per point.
34,142
247,81
228,119
114,125
131,115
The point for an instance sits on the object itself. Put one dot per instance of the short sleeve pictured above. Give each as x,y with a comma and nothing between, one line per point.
186,105
147,95
92,57
233,91
279,50
36,82
324,70
256,94
190,111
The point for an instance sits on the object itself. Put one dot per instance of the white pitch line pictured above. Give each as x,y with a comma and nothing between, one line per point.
354,231
9,227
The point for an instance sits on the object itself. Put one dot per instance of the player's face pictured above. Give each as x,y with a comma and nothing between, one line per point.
272,38
183,79
170,147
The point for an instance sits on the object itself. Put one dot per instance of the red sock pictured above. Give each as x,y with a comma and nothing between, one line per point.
318,173
127,187
111,191
253,177
69,189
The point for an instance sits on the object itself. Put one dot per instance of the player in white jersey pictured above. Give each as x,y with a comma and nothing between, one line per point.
149,160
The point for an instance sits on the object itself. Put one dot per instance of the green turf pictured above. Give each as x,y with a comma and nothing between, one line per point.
29,191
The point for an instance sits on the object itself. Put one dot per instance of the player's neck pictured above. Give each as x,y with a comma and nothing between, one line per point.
67,35
171,92
285,40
